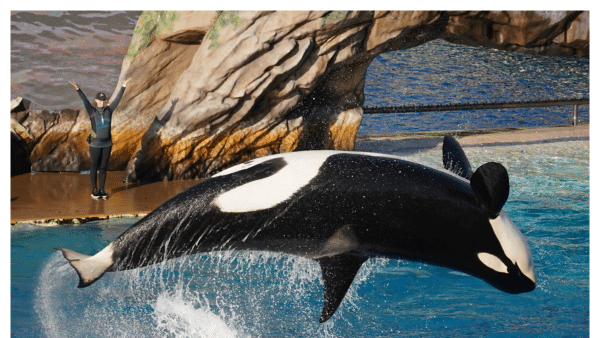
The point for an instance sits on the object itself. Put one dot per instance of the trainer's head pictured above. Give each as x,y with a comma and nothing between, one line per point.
101,100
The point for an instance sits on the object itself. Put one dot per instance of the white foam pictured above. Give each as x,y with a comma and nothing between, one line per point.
265,193
177,317
55,274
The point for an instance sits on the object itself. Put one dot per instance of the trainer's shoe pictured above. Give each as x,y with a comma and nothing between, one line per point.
103,194
96,194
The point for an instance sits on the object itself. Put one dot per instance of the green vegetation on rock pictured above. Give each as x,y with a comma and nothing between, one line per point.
225,18
149,25
334,16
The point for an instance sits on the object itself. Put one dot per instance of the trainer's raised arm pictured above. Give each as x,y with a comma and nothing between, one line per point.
74,85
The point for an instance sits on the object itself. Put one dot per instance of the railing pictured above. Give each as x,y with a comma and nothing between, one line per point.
478,106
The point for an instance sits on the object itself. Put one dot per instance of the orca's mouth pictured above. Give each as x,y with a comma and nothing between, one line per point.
527,285
517,283
512,282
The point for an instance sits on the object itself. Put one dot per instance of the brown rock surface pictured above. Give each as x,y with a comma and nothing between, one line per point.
212,89
536,32
19,104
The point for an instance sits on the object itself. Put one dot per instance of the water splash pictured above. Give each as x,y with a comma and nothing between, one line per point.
45,298
177,317
218,294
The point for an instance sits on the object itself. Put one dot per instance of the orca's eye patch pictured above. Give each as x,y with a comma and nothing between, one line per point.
492,262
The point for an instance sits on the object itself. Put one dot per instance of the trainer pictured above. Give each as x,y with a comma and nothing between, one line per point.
100,139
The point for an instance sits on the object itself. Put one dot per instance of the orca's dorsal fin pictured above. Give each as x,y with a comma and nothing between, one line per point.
338,273
491,186
455,159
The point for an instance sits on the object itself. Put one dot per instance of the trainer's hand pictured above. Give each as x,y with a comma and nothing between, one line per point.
74,85
125,82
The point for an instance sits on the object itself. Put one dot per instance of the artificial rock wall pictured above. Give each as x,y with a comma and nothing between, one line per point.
212,89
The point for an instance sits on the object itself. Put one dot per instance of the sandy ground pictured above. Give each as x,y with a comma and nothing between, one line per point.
56,198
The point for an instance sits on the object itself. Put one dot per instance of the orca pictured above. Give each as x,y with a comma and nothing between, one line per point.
339,208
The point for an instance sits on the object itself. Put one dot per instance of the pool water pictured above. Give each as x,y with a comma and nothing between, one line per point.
259,294
439,72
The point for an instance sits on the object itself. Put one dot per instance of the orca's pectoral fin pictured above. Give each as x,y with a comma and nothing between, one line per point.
455,159
338,273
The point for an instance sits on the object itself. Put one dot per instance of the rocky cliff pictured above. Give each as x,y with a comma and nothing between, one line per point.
212,89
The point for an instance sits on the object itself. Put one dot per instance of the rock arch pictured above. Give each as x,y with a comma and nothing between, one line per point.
212,89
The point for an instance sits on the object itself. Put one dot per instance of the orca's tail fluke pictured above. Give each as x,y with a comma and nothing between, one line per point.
89,268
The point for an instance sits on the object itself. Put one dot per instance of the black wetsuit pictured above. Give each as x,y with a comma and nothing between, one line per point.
101,143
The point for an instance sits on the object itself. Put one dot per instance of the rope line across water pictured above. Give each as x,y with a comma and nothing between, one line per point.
473,106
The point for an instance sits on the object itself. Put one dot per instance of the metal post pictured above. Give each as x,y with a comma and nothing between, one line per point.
575,114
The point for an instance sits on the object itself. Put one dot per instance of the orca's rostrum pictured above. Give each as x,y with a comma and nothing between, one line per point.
339,208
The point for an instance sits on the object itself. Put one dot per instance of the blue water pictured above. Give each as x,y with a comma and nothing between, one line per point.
439,72
255,294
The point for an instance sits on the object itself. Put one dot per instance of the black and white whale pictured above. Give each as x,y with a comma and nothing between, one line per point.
338,208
